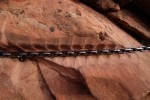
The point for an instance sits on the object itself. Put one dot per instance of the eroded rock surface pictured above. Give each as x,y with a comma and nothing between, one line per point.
45,25
103,5
132,21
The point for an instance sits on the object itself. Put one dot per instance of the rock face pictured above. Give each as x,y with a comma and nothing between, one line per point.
46,25
132,21
103,5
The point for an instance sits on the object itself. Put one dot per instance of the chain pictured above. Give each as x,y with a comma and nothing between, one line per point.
22,56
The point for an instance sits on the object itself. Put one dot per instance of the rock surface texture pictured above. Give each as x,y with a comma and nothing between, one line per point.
47,25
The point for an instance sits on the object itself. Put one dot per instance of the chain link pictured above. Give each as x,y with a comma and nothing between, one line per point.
22,56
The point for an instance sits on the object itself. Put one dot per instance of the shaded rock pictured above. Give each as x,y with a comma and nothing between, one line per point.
63,84
37,25
134,22
103,5
144,5
124,2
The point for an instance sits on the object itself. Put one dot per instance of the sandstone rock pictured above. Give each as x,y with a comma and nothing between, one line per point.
143,4
22,81
37,25
103,5
114,5
138,24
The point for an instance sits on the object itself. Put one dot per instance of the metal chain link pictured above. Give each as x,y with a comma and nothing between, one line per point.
22,56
